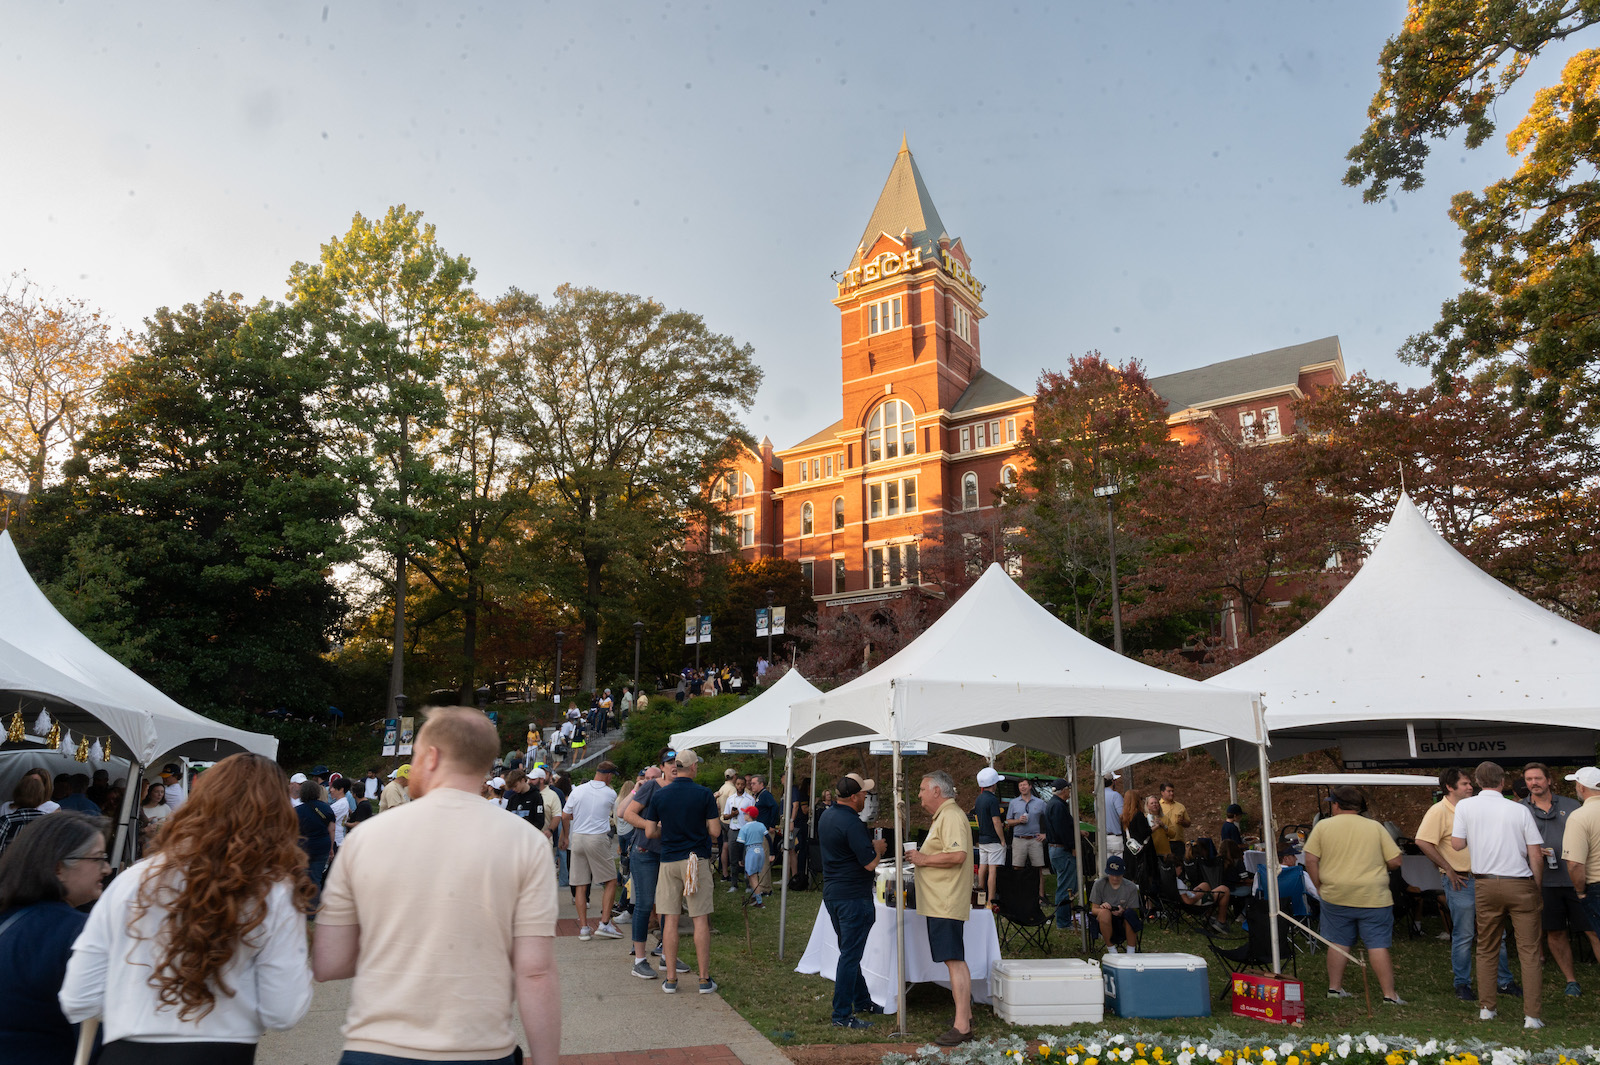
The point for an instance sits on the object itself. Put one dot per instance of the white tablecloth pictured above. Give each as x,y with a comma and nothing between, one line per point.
1420,872
878,963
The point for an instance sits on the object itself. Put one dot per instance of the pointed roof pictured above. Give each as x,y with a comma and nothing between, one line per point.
986,390
903,205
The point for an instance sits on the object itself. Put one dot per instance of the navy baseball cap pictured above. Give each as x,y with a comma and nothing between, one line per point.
1115,866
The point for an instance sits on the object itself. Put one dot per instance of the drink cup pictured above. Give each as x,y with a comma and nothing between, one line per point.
910,847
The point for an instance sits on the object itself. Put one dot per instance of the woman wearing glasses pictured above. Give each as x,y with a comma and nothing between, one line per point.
53,866
196,952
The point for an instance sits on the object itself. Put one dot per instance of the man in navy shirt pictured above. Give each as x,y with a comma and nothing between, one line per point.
767,813
684,817
849,860
316,833
991,833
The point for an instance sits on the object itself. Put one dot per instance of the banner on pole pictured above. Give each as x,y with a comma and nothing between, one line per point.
705,628
761,621
743,747
884,748
391,736
691,629
408,729
778,613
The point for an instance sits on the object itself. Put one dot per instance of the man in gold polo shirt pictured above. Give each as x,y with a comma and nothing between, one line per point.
1580,845
944,893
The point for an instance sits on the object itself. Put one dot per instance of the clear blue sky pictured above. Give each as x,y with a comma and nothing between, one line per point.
1155,180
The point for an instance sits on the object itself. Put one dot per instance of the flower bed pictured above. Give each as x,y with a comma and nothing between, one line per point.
1229,1048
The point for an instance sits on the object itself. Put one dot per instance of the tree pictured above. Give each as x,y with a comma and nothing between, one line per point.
1531,316
194,531
1097,424
54,356
397,311
625,412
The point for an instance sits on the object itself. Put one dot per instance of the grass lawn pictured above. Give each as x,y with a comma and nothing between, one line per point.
793,1009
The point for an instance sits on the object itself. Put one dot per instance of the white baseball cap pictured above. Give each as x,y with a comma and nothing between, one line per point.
538,774
987,777
298,778
1588,776
498,783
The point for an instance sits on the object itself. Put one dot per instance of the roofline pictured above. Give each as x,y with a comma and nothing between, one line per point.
1260,393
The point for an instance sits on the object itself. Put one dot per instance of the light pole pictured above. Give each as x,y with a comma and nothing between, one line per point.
638,634
699,619
560,639
1108,492
769,627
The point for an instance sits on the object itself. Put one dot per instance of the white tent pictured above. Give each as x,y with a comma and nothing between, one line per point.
1424,657
999,666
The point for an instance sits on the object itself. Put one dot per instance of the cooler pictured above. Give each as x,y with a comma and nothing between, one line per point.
883,888
1156,985
1058,991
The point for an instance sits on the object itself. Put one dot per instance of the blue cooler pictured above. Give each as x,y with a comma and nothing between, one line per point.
1156,985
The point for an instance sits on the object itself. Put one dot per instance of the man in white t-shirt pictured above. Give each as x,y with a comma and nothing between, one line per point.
442,948
339,790
1508,868
733,806
172,780
372,786
587,819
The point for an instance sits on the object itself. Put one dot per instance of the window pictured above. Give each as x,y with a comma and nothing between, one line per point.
1008,475
892,432
816,469
966,438
838,575
1011,430
807,524
749,485
1269,421
808,576
961,321
980,438
994,434
838,512
827,466
747,529
969,492
883,316
1247,424
891,565
886,499
805,470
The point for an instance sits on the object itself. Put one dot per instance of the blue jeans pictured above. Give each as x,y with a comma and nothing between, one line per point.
852,923
1065,865
562,857
1591,905
646,867
1464,932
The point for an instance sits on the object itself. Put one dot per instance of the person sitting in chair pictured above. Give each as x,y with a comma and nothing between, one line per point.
1114,903
1201,893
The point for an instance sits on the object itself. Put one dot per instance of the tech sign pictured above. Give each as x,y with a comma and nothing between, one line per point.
889,263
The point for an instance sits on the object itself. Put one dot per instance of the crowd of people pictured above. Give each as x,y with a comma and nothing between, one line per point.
725,679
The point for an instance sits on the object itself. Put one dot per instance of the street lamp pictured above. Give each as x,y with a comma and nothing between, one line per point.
698,621
484,694
638,634
560,639
770,598
1108,492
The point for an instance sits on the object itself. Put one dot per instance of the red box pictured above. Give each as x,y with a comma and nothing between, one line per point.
1268,998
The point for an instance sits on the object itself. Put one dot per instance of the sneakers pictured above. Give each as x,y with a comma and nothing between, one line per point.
1464,993
1217,926
608,931
643,970
707,986
760,903
683,966
733,889
853,1022
1532,1022
1486,1015
1394,1001
1339,992
871,1008
1513,988
585,933
1573,990
669,987
656,953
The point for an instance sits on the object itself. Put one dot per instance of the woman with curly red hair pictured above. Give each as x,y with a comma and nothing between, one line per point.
193,954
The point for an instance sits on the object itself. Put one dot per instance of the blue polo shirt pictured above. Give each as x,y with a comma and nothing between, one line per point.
767,809
683,808
988,808
846,851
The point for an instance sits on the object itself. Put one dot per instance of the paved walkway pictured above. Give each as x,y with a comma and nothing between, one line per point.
608,1017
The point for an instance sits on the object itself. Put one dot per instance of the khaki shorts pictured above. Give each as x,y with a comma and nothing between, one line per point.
669,889
1027,852
991,854
593,860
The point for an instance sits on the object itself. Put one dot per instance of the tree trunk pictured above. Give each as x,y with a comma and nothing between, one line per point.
469,641
591,627
397,661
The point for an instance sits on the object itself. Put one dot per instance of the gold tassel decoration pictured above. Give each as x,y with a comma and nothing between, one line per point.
83,749
17,729
105,748
53,740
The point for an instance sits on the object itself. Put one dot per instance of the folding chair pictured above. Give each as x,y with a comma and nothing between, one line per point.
1293,899
1255,953
1176,911
1019,917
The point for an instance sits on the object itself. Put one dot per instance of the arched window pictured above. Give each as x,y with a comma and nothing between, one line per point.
1008,475
892,432
748,485
838,512
807,520
969,492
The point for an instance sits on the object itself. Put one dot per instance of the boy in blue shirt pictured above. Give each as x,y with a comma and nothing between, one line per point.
754,837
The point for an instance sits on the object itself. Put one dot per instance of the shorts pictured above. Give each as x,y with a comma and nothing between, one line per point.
991,854
1027,852
593,860
1373,925
755,859
1563,910
947,939
1122,924
670,898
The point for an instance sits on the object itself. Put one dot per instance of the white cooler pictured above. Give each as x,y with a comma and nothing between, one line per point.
1056,991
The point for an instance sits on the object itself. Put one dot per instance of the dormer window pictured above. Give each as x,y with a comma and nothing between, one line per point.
883,316
892,432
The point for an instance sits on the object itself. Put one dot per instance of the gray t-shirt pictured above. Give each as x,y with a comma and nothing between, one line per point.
642,795
1125,895
1552,827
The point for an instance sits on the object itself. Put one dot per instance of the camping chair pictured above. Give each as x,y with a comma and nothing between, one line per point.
1255,953
1175,911
1019,916
1293,899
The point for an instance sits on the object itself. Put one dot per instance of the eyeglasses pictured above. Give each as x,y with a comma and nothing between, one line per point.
101,858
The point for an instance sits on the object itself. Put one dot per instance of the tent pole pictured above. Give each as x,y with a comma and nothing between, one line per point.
129,805
1097,782
899,898
789,799
1269,838
1077,834
1233,781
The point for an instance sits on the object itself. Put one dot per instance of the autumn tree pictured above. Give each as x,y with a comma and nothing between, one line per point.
624,413
399,313
54,357
1530,316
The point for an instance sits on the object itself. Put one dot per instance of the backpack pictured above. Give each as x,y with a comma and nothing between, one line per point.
800,881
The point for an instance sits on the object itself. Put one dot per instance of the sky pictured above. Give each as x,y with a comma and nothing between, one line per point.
1155,181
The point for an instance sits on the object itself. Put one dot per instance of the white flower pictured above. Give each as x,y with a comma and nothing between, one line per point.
1094,1050
1268,1054
1118,1039
1286,1047
1343,1050
1185,1058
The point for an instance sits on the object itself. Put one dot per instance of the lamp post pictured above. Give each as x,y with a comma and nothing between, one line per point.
560,639
1108,492
699,619
770,598
484,694
638,634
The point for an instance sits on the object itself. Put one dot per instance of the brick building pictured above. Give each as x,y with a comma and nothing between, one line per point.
1253,396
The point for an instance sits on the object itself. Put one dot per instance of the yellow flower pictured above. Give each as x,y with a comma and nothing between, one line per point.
1294,1059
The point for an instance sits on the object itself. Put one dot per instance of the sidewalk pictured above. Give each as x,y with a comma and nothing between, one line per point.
608,1016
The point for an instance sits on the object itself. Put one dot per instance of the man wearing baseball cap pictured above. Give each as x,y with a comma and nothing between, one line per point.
172,781
397,791
1580,846
683,816
849,865
1114,901
1059,826
991,834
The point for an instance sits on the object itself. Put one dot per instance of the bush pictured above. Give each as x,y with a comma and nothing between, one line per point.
647,732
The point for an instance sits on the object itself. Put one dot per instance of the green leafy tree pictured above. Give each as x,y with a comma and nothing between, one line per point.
624,412
398,313
195,529
1531,314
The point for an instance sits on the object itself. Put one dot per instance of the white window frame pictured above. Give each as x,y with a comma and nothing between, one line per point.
894,565
810,578
905,432
827,465
882,312
966,438
1247,424
969,482
838,513
994,434
808,519
747,484
805,469
1270,423
901,490
1011,430
841,572
747,528
980,436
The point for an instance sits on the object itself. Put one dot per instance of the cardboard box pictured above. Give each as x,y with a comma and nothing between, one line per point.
1268,998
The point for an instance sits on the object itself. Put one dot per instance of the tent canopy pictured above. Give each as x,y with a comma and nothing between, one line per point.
1359,780
1422,637
48,663
999,666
